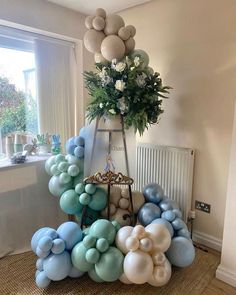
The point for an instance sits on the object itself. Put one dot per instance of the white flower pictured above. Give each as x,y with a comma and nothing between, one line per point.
113,63
112,111
136,61
120,85
128,61
120,67
141,80
101,105
121,104
103,73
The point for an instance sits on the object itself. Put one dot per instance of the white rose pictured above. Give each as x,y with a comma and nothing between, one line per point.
120,85
120,67
112,111
136,61
101,105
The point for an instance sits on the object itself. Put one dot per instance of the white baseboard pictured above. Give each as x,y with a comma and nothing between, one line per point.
226,275
207,240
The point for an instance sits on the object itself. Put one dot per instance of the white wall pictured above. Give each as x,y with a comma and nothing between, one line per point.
227,269
192,44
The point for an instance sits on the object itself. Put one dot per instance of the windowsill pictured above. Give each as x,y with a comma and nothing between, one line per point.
6,163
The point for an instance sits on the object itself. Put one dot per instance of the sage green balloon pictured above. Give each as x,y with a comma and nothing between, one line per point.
92,255
78,258
56,188
103,228
89,241
93,275
84,199
90,188
69,202
142,55
79,188
99,200
110,265
48,164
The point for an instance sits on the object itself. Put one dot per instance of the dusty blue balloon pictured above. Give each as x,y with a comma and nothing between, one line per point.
166,224
41,254
42,281
148,212
178,224
99,200
110,265
169,215
93,275
78,258
71,233
79,152
181,252
168,204
153,193
103,228
44,231
39,264
177,213
69,202
45,243
79,140
57,267
58,246
56,188
183,233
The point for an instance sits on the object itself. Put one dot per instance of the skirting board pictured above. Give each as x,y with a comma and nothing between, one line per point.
226,275
207,240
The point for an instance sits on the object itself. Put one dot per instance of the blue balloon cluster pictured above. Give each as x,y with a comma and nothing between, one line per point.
75,146
159,209
53,248
96,255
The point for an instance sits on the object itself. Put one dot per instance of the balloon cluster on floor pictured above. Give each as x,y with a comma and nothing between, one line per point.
107,37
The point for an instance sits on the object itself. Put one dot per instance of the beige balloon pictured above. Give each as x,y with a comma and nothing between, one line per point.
160,237
123,278
129,45
99,58
122,236
93,40
161,275
113,47
101,12
132,30
98,23
124,33
89,22
113,23
124,203
113,210
115,195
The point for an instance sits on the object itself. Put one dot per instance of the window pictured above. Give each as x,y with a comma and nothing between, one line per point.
18,105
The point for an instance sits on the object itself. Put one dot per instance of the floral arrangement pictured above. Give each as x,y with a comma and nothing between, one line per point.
129,88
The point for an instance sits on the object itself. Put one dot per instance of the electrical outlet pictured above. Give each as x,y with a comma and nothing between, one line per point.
203,206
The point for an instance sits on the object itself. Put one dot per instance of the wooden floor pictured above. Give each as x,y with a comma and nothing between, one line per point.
17,277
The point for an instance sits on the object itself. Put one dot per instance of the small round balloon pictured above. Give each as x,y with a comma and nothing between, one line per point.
69,202
153,193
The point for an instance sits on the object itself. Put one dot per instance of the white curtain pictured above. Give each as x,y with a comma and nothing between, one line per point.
57,88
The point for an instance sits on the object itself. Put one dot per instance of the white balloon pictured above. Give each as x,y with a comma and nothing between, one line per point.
99,58
121,237
123,278
145,244
158,258
160,237
101,12
161,275
113,23
122,217
89,22
124,203
132,243
93,40
98,23
138,267
115,195
139,232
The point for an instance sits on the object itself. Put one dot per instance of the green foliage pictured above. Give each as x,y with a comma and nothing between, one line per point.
17,112
137,95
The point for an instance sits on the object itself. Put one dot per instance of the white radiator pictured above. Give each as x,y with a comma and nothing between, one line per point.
170,167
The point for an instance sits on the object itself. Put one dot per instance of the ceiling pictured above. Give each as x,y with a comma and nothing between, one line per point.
89,6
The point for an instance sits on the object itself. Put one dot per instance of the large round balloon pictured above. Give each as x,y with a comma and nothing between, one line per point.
103,228
93,40
168,204
99,199
112,47
165,223
78,258
42,281
113,24
181,252
56,188
138,267
148,212
93,275
110,265
57,267
69,202
71,233
153,193
160,236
